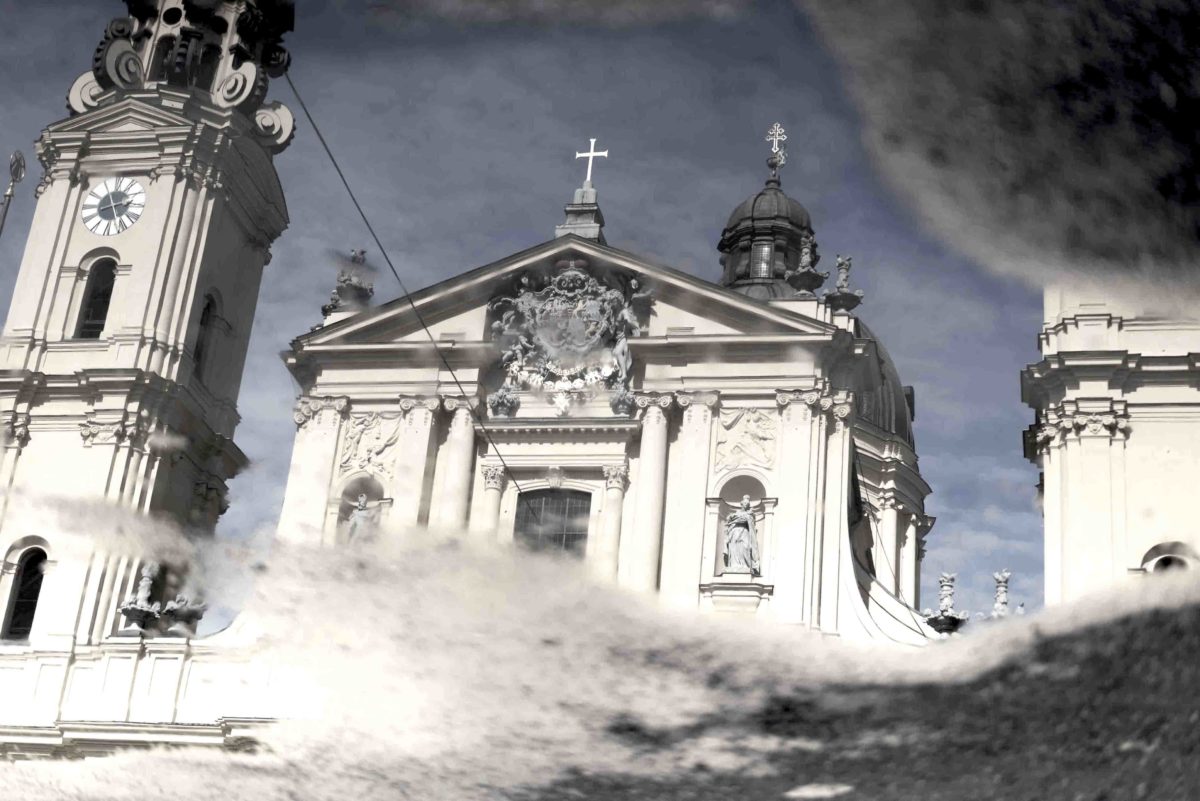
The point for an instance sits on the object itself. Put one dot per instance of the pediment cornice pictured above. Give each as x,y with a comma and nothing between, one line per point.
476,287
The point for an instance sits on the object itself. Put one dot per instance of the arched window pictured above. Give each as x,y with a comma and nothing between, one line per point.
1169,557
204,337
97,296
27,586
553,520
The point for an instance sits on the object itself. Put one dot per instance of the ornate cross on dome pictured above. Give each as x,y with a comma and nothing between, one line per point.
591,155
778,154
775,136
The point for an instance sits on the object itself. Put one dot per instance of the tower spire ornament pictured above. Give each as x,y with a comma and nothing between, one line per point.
583,213
16,174
778,156
591,156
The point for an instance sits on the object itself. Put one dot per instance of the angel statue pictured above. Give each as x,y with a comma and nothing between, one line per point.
741,540
843,270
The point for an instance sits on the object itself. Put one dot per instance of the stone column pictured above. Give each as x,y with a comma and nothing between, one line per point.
683,542
887,557
451,510
602,561
314,458
645,544
908,585
417,449
837,512
494,477
802,448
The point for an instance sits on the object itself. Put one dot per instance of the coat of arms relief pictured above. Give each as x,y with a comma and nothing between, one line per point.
566,335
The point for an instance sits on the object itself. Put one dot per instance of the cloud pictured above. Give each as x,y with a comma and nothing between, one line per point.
1039,138
615,13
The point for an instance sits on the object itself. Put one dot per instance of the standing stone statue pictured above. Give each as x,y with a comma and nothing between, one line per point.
361,523
741,540
1000,608
946,593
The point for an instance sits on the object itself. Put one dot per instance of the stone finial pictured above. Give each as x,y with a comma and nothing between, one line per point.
841,297
584,217
1000,607
947,620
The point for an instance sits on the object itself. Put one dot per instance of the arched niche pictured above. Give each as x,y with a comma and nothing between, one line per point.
730,494
360,508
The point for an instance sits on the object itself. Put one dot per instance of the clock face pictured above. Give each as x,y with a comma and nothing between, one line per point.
113,206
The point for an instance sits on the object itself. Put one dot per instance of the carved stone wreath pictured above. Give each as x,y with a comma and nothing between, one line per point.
565,334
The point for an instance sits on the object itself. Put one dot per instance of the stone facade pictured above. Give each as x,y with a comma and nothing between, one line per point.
689,396
1116,436
120,367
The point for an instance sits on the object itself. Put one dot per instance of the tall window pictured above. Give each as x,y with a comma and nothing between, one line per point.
762,267
96,298
553,520
208,320
27,584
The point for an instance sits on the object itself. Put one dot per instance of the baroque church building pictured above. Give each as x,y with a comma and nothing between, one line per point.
741,446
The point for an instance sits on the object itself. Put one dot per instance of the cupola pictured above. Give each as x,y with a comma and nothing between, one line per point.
768,250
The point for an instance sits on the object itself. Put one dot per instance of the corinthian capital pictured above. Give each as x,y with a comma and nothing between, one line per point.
493,476
616,476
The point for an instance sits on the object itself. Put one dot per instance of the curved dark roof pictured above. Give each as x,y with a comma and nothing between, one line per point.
887,405
770,203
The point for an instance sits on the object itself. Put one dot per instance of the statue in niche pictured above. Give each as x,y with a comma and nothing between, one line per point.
741,540
363,518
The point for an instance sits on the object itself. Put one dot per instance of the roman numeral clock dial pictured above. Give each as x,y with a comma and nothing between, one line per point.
113,206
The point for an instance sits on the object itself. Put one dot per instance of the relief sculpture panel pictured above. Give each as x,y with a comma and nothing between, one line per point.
746,437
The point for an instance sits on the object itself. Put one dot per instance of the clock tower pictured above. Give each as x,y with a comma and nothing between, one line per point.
122,355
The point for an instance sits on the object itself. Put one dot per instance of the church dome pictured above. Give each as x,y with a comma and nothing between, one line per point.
768,250
770,204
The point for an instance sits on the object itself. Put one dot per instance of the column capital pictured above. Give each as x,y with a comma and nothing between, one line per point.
708,398
1079,418
809,397
427,402
654,404
16,431
616,476
308,407
454,403
494,476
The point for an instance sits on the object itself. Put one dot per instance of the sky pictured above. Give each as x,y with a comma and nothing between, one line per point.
459,134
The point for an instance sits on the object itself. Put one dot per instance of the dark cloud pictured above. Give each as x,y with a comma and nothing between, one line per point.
617,13
1030,133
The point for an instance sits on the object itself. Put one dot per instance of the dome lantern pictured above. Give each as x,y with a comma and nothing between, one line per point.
768,250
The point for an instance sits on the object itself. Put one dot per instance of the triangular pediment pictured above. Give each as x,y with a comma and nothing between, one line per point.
129,115
455,309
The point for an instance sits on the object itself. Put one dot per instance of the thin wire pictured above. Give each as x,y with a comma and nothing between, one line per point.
407,295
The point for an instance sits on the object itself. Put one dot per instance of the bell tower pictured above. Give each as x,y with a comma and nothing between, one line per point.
122,354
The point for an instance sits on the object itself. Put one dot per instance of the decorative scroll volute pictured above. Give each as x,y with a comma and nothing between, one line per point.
227,48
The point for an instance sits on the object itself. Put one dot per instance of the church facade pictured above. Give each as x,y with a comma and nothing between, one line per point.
741,447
